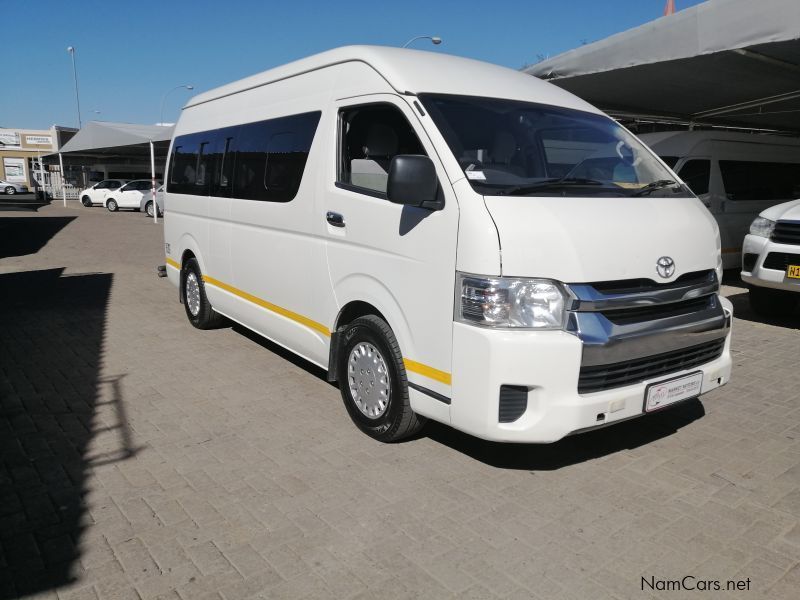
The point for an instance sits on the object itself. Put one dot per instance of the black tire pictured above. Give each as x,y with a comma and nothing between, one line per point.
148,209
773,303
10,190
112,205
86,201
205,317
397,420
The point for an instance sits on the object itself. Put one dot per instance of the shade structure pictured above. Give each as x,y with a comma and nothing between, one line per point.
722,62
103,139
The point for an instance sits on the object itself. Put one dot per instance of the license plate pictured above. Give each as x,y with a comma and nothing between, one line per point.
664,393
793,271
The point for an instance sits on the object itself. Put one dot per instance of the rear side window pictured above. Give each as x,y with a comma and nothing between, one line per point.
256,161
113,185
750,180
696,173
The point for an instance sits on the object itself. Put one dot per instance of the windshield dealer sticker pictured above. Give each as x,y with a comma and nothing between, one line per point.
476,175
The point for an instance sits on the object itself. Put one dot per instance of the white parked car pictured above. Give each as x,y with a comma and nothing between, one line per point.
450,240
146,204
10,188
129,195
96,195
771,260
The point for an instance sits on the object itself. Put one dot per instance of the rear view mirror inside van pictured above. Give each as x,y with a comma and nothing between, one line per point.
412,180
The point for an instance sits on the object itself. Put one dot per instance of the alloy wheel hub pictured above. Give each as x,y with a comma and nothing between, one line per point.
368,380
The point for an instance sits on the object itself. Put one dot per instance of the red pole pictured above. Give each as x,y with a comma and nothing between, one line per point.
669,8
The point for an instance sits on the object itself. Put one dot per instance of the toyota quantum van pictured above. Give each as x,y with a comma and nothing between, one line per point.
736,175
450,240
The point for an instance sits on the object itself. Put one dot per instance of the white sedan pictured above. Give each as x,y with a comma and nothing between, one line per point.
147,202
98,192
129,195
7,187
771,260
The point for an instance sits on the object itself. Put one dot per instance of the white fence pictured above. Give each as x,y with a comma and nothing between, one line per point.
55,186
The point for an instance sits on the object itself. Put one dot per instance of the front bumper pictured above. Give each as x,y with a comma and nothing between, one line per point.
760,276
548,364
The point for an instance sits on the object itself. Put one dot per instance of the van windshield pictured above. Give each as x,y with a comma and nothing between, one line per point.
508,147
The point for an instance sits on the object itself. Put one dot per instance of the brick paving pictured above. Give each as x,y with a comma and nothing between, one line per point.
144,459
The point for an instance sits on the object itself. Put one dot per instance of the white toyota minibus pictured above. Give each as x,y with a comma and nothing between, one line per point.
736,175
451,240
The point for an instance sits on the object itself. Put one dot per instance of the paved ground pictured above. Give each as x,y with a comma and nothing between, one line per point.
141,458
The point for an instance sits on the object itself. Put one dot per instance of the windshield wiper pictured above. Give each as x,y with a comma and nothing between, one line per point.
550,184
655,185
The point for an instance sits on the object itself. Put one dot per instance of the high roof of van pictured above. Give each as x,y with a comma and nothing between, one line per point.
681,142
415,72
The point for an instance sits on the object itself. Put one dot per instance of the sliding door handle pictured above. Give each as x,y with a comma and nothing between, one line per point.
335,219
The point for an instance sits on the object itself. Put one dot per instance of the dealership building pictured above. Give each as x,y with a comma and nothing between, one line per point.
22,149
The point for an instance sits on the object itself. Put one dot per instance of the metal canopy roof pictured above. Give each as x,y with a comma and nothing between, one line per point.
723,62
102,138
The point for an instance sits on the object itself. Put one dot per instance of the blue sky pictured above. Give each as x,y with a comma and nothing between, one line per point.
129,53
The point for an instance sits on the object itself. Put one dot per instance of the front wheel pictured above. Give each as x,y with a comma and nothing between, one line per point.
111,205
10,190
86,201
373,383
148,209
193,289
773,303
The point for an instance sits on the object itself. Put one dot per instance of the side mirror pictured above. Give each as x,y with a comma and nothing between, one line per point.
412,181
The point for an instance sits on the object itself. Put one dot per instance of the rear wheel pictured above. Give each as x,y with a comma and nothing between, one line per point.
195,301
86,201
111,205
773,303
11,190
373,383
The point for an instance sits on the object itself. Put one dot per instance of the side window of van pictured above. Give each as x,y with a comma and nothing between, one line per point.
371,136
264,160
696,173
222,159
270,157
183,166
751,180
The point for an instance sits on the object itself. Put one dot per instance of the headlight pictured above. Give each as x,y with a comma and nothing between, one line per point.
762,227
509,302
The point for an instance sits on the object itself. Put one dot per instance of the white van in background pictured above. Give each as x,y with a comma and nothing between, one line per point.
451,240
736,175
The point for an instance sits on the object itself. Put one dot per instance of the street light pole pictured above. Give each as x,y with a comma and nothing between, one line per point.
71,50
433,38
164,97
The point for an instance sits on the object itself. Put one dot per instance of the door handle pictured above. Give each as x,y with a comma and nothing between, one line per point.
334,219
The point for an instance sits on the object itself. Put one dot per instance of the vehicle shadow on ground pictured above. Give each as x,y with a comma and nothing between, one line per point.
533,457
27,235
31,202
573,449
285,354
51,340
742,310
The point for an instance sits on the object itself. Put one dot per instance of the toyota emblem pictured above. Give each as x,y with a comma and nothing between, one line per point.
665,267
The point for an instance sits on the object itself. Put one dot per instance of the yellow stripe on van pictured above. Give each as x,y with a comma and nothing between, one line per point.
174,264
411,365
269,306
731,250
427,371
